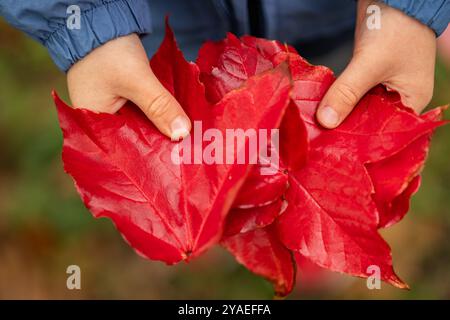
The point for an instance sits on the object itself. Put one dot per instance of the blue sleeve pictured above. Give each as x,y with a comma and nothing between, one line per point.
69,38
435,13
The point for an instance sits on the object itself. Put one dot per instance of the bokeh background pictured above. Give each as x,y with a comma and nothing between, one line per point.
44,226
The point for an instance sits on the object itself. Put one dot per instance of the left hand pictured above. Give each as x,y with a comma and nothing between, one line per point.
401,55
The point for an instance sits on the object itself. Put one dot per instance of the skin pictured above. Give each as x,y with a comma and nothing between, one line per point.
119,71
401,55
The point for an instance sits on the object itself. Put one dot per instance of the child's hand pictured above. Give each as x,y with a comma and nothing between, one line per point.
119,71
401,55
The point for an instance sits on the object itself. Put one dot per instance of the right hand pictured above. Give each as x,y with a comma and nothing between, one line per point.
118,71
401,55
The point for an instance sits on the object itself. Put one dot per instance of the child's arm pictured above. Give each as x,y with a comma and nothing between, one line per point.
400,54
97,43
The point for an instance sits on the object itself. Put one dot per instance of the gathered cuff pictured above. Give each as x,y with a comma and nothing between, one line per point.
434,14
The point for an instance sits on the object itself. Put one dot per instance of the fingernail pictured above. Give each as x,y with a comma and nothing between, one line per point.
179,128
329,117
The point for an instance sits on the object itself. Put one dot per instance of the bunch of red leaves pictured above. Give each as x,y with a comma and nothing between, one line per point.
330,194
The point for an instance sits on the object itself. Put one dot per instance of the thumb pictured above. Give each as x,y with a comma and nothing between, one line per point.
160,107
346,91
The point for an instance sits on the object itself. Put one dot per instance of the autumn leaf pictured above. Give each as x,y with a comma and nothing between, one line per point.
260,190
344,183
248,219
397,178
328,196
124,170
261,251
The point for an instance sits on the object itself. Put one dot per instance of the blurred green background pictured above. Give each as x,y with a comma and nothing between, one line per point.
44,226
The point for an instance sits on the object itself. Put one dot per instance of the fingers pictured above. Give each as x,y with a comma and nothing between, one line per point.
346,91
119,71
160,107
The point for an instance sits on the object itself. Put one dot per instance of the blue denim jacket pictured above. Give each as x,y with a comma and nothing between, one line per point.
194,21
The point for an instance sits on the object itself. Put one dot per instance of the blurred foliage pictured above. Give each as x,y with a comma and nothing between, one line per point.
44,226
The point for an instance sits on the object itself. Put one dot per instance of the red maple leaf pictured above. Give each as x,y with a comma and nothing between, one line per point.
261,251
123,169
344,183
397,178
331,192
